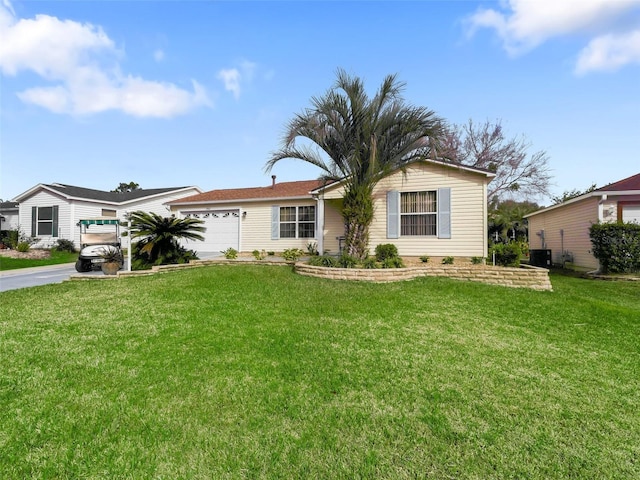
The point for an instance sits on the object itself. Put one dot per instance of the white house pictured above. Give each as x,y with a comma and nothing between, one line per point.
52,211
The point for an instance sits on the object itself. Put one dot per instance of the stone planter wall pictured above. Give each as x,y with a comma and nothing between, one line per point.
524,277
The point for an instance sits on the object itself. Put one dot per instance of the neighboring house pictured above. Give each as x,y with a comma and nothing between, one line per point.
9,216
432,208
50,212
564,228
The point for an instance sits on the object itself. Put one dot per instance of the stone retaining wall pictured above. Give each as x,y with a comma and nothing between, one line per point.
524,277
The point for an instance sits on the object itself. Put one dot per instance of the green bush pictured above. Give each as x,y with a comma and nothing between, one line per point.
386,250
230,253
312,248
506,254
424,258
64,245
616,246
347,261
323,261
292,254
370,263
392,262
23,246
259,255
477,260
140,260
9,238
447,261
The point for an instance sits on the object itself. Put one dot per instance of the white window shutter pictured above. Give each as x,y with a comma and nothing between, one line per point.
393,214
444,213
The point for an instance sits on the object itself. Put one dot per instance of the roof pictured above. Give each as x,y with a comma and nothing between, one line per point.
298,189
71,191
4,206
627,184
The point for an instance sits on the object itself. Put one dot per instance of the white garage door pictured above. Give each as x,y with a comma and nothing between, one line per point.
223,230
631,213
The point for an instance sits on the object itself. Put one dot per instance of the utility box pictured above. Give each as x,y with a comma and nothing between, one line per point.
540,258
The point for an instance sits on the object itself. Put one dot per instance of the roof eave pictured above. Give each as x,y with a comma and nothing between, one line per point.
240,200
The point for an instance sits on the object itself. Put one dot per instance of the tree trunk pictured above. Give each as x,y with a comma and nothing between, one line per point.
357,212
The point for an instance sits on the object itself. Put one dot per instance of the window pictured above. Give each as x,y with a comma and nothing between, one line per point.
44,221
297,222
108,213
418,213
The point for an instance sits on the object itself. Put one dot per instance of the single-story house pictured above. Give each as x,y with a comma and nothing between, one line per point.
9,216
564,228
52,211
431,208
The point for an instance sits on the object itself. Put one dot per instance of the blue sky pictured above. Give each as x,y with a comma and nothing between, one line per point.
199,92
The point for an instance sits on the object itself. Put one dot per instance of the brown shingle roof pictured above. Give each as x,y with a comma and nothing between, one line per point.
278,190
630,183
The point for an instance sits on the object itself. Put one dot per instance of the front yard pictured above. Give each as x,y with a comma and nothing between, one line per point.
251,371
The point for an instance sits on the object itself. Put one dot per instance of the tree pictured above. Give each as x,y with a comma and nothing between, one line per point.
126,187
159,237
359,140
485,146
569,194
506,218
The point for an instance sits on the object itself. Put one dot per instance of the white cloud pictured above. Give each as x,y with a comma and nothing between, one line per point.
525,24
158,55
233,78
609,52
82,60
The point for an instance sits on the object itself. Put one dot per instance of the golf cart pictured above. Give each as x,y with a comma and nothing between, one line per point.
98,236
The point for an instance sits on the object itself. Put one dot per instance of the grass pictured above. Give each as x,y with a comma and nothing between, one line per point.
8,263
253,372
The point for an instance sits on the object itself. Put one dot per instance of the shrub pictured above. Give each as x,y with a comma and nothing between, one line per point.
616,246
392,262
370,263
64,245
292,254
230,253
347,261
477,260
259,255
386,250
447,261
23,246
271,253
9,238
424,258
140,260
312,248
323,261
506,254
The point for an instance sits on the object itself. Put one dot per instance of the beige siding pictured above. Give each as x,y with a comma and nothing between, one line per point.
468,211
574,220
333,226
255,226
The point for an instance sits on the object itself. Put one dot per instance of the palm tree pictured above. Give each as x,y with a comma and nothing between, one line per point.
360,140
160,235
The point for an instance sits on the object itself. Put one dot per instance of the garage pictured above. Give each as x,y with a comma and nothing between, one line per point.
631,213
223,230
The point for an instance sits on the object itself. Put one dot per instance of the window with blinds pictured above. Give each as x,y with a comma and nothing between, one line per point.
418,213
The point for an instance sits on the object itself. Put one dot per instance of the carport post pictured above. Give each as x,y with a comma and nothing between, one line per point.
126,215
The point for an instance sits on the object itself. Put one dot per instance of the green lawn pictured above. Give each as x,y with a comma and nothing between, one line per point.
254,372
7,263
